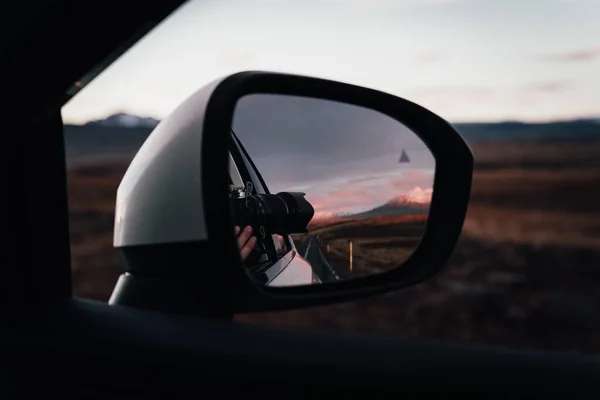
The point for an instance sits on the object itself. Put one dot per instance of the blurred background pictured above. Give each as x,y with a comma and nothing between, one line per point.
517,79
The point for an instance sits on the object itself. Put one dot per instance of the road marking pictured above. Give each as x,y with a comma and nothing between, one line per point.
327,264
307,248
322,258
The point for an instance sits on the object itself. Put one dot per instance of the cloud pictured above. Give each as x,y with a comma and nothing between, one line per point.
430,57
398,180
415,185
333,202
329,202
362,179
454,91
323,215
404,186
416,175
300,188
574,56
546,87
420,195
347,193
451,97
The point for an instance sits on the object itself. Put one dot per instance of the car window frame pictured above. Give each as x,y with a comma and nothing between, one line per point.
241,157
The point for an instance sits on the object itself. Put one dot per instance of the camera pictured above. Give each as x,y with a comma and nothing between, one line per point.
283,214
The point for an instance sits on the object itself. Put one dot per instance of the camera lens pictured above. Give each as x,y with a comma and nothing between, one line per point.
283,213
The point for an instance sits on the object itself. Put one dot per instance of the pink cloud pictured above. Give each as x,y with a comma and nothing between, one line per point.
347,193
340,201
323,215
410,180
361,180
414,175
410,176
420,195
364,193
575,56
337,204
431,57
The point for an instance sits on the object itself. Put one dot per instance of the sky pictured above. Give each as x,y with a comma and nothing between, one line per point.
345,158
466,60
349,196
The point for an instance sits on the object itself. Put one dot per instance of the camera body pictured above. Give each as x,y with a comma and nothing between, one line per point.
283,214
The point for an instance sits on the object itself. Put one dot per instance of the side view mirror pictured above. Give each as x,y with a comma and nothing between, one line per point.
351,189
347,192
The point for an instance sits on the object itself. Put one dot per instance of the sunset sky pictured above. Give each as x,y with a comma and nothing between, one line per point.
344,157
362,194
468,60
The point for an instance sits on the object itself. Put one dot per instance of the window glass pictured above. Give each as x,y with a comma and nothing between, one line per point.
525,273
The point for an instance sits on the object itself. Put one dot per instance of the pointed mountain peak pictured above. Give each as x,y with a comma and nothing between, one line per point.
404,157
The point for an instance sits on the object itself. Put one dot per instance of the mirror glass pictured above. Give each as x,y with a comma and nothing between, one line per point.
331,191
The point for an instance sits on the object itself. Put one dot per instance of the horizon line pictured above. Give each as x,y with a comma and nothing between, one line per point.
500,121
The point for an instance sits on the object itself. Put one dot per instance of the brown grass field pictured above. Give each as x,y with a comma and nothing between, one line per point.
526,272
378,243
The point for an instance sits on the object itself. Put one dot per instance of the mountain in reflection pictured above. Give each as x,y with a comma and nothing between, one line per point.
401,205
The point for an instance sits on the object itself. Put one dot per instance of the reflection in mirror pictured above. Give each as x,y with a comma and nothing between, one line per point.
330,191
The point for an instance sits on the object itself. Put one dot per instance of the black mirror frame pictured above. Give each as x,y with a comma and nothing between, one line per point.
451,189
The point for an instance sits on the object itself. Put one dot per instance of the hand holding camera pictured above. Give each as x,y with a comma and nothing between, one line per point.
266,216
246,241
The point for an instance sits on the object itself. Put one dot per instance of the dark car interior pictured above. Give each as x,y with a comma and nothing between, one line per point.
54,344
